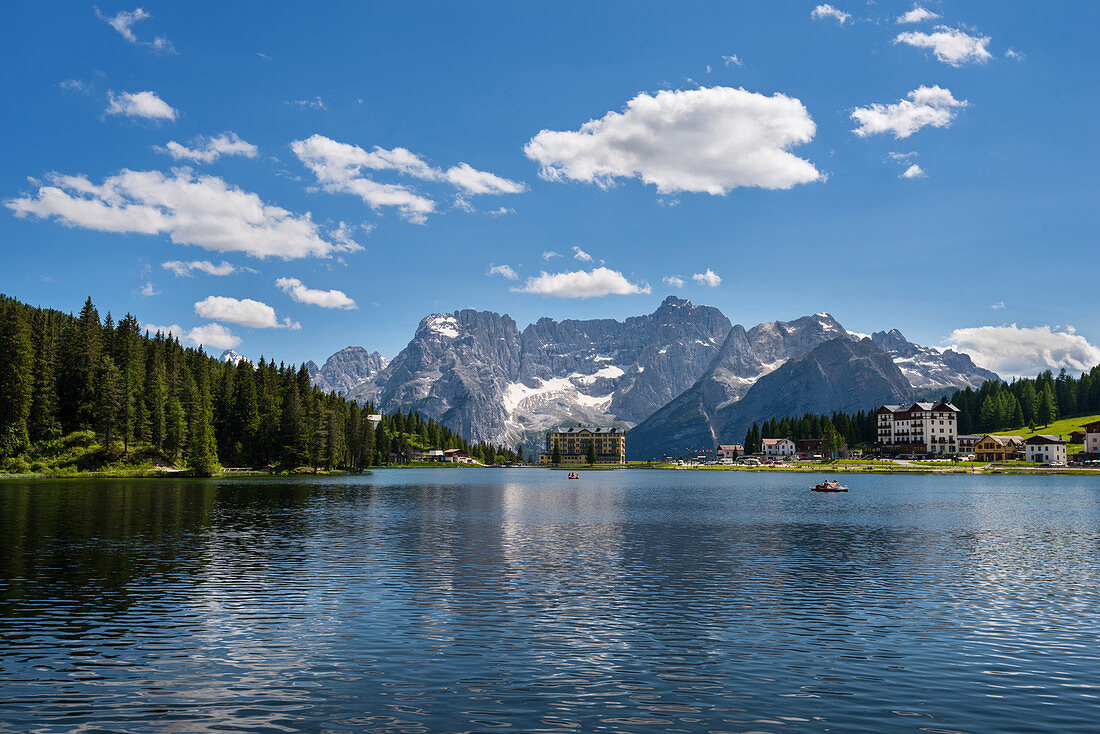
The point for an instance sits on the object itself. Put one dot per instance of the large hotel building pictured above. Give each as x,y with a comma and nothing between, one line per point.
572,444
926,428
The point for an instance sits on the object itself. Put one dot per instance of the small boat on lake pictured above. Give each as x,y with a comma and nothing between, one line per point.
829,486
574,475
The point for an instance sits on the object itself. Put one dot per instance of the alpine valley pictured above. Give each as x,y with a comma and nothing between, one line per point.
681,377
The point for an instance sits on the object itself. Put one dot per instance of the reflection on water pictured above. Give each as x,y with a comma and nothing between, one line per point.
453,600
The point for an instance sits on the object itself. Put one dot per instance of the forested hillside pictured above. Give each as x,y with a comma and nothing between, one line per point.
78,392
990,408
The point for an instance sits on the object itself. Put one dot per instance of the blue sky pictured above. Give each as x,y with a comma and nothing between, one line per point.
390,157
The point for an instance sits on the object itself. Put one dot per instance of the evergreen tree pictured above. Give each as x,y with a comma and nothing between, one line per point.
16,379
43,422
175,430
292,447
831,441
202,456
591,457
1047,409
108,399
555,455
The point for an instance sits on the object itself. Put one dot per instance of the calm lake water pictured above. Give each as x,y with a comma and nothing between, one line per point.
488,600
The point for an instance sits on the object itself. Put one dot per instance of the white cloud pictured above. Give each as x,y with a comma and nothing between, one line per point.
926,107
902,156
210,335
149,290
704,140
1015,55
733,60
192,210
145,104
124,22
339,168
914,171
582,284
1010,350
549,254
917,15
501,211
504,271
73,85
579,254
998,306
710,279
183,269
209,149
673,280
243,311
325,299
828,11
950,45
315,104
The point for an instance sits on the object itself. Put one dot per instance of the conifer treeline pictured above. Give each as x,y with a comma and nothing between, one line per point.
60,374
994,406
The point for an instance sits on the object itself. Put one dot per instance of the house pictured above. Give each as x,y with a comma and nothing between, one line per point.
1092,438
572,445
728,451
456,456
1077,436
374,419
999,448
925,428
967,442
434,455
777,447
810,448
1045,449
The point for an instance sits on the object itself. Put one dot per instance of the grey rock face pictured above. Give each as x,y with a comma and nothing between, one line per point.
839,374
347,369
930,370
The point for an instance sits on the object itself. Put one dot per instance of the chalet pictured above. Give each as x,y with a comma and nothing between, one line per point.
999,448
728,451
1046,449
810,448
1077,436
433,455
926,428
777,447
455,456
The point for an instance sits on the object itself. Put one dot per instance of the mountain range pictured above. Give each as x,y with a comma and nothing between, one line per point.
681,377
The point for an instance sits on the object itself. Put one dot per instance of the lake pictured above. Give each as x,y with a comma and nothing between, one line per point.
488,600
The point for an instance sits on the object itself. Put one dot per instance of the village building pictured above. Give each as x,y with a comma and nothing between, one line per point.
572,445
967,442
777,447
1092,438
999,448
1046,449
810,448
922,428
455,456
1077,436
728,451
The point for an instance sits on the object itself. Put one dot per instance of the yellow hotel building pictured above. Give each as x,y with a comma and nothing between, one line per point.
573,443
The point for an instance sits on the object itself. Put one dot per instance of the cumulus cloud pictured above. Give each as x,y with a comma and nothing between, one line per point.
582,284
828,11
998,306
952,46
1015,55
549,254
710,279
314,297
914,171
210,149
894,156
146,105
703,140
917,15
209,335
732,60
926,107
505,271
1011,350
149,290
339,168
243,311
192,210
579,254
124,22
183,269
673,280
